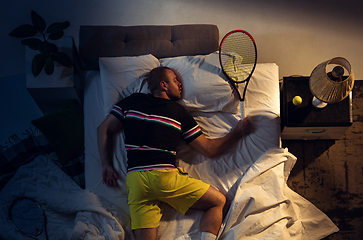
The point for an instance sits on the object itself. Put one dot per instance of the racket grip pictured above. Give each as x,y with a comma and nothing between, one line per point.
243,109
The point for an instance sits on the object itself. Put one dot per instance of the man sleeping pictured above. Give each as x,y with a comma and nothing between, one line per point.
153,125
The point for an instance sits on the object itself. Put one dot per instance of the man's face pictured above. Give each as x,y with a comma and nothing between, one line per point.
174,88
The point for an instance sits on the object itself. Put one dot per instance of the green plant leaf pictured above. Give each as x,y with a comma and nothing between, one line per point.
24,31
46,48
38,21
54,48
57,35
38,64
57,27
62,58
49,66
33,43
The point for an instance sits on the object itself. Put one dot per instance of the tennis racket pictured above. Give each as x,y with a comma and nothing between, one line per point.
28,217
238,58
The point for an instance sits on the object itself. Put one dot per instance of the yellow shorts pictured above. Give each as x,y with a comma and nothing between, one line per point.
148,190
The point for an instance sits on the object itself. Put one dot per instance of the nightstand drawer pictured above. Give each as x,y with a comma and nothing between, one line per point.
313,133
305,121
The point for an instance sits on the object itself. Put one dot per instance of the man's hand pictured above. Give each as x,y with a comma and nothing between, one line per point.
105,131
109,176
243,127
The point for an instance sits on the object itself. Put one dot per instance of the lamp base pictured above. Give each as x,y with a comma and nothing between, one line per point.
318,104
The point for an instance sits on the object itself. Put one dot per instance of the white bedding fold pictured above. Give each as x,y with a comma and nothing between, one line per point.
263,207
266,208
72,212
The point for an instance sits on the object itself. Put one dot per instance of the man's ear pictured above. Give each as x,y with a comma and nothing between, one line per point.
163,85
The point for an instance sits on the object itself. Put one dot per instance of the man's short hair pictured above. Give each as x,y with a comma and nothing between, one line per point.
154,77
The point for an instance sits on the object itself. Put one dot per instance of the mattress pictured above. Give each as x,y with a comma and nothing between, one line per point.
262,105
252,173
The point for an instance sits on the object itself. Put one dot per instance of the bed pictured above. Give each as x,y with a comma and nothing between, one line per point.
252,173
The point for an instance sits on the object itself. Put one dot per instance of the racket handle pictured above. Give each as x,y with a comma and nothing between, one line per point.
243,109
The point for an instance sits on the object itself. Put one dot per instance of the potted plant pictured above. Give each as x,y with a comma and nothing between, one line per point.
48,52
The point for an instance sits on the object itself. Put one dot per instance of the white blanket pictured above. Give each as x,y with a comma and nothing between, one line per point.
263,207
72,212
266,208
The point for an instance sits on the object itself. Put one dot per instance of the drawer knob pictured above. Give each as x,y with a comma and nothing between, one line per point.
315,130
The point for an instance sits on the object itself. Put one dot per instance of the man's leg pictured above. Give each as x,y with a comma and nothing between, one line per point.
145,233
215,205
145,211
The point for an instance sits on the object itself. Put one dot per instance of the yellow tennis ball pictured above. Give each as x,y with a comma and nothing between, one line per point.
297,100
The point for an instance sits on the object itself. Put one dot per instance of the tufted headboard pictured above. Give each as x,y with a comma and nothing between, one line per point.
161,41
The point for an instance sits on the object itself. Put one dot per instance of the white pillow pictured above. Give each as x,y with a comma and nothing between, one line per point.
263,91
205,87
121,76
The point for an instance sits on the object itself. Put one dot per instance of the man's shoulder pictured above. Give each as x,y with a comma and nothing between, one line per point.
135,96
149,98
138,95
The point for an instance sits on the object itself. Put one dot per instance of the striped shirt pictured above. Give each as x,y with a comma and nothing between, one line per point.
153,128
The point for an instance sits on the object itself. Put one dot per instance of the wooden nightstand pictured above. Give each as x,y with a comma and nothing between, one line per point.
50,92
305,122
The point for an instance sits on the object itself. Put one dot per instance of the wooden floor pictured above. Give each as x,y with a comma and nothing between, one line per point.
330,174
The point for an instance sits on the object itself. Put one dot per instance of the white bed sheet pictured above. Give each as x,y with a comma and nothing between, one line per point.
263,207
226,172
71,212
262,95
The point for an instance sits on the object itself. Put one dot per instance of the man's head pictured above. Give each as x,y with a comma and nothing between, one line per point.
163,82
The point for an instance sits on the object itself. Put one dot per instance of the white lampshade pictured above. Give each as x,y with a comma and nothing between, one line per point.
324,88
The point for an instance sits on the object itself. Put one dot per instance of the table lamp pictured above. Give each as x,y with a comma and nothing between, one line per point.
331,86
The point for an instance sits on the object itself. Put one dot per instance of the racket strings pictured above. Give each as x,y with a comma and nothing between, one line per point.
27,217
241,45
238,56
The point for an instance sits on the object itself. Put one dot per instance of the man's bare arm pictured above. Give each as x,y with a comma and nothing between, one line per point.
211,147
105,132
